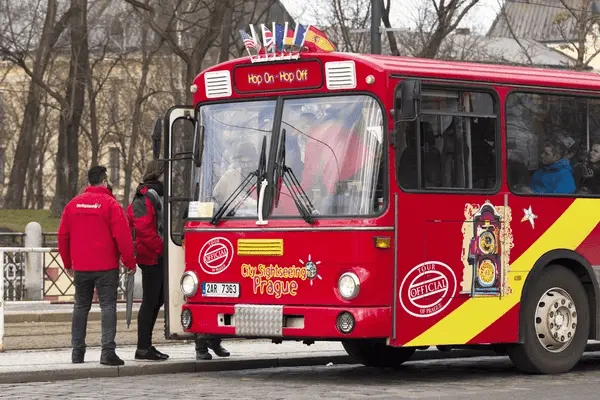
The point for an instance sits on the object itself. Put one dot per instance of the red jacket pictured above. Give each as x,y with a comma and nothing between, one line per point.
145,223
94,232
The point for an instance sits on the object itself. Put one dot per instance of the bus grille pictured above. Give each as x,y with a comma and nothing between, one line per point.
260,247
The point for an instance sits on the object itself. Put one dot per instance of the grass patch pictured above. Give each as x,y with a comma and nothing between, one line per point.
16,220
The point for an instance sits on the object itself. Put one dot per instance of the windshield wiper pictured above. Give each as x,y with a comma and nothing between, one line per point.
258,174
303,203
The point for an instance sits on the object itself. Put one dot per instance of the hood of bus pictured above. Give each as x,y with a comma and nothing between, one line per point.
292,266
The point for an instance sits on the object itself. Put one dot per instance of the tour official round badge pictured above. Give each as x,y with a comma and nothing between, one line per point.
216,255
427,289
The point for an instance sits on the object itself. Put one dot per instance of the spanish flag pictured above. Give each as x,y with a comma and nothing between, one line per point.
316,40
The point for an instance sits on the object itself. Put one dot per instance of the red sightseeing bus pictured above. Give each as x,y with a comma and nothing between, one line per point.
389,203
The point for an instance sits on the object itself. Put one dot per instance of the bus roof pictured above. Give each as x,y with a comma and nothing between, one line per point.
478,73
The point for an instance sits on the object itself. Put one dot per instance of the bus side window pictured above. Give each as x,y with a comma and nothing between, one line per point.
553,137
458,151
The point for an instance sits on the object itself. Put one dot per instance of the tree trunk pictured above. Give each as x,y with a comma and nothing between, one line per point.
226,33
67,159
17,180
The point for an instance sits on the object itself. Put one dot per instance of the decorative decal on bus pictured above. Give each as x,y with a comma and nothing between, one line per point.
311,269
427,289
487,241
215,256
529,216
274,280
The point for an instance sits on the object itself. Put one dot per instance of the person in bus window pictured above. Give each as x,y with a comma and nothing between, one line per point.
555,175
591,180
244,160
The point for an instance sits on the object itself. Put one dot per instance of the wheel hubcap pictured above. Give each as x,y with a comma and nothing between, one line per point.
555,320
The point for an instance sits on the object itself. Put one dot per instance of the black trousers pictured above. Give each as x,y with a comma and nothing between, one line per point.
106,284
153,299
202,344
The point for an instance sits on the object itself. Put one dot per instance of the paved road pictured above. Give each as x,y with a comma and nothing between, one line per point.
470,379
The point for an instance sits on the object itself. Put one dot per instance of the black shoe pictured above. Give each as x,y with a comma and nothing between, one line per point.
148,355
111,359
220,351
77,356
163,355
203,355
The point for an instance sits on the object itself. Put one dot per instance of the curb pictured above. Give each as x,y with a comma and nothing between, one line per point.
95,370
18,317
215,365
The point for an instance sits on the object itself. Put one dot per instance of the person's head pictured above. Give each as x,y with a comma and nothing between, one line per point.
97,176
245,157
552,152
154,171
594,155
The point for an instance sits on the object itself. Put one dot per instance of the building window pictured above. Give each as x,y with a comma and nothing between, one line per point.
553,144
114,165
458,145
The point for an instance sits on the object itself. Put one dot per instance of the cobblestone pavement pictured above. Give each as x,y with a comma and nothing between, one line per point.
467,379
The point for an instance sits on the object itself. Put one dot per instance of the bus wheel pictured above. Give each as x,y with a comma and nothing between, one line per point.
555,324
375,353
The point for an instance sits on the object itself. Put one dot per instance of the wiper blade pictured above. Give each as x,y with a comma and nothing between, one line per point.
303,203
259,174
242,186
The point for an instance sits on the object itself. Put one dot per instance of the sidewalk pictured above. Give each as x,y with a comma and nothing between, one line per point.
53,365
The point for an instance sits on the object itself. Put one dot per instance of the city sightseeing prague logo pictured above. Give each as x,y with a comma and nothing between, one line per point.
215,256
427,289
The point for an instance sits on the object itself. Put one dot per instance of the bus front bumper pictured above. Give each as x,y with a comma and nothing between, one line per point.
279,321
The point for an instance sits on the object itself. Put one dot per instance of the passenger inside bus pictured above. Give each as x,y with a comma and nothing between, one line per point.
244,160
556,174
591,180
431,159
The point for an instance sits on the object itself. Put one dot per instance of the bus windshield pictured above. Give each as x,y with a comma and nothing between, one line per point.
333,149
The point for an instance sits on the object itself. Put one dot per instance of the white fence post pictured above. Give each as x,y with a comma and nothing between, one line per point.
34,264
1,301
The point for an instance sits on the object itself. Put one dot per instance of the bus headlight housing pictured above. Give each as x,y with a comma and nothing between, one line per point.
189,283
348,285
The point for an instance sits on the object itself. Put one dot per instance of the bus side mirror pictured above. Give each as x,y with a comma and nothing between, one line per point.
408,100
156,139
198,139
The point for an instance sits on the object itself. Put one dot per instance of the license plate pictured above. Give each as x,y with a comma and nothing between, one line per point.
210,289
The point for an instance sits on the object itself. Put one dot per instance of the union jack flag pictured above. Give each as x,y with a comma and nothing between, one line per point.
248,40
268,39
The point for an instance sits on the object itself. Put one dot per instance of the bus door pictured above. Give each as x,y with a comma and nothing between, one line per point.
179,143
448,147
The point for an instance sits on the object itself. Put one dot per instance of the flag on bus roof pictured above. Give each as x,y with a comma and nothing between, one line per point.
249,43
288,40
317,40
268,40
299,34
279,34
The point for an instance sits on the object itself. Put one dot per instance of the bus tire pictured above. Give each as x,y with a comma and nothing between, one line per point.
555,324
375,353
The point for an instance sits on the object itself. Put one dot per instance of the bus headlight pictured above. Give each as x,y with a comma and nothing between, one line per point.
348,285
189,284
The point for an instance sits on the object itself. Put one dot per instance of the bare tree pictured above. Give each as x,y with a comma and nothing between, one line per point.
17,45
578,26
67,157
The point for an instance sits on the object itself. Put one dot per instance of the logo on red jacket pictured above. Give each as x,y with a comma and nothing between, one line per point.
427,289
216,255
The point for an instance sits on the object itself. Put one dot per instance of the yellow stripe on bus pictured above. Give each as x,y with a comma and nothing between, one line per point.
476,314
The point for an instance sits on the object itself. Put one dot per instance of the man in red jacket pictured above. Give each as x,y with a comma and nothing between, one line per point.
93,235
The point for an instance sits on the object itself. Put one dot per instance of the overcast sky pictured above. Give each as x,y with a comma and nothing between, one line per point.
480,18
